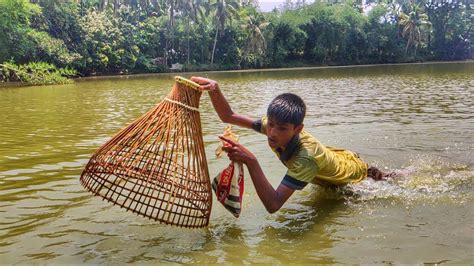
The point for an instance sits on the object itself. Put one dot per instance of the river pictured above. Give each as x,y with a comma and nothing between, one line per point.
416,120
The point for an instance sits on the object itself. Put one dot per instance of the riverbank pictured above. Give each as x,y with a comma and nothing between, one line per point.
107,76
189,73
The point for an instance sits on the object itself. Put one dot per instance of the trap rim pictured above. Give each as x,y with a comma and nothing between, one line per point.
188,83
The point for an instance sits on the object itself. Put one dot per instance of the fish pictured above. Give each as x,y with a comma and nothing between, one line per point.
229,135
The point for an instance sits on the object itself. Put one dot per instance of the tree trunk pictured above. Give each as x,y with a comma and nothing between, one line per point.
170,39
187,38
172,24
214,46
116,7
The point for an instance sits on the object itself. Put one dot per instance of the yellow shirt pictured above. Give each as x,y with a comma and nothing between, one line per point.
309,161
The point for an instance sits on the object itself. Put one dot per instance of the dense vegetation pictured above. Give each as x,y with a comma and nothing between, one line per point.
130,36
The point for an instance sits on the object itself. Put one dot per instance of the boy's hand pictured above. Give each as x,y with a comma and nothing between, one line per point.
236,152
206,84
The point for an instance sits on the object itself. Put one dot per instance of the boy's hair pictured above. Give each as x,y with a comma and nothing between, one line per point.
287,108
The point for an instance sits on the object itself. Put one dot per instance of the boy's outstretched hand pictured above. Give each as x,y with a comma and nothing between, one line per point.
236,152
206,84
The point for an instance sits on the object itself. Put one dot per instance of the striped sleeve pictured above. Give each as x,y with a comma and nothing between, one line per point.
257,125
260,125
293,183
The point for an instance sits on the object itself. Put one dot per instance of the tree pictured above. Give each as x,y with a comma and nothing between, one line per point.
287,43
61,21
23,43
383,39
15,19
189,10
256,45
414,26
104,42
224,10
452,28
151,39
326,35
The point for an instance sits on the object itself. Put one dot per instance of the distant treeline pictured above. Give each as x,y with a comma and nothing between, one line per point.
137,36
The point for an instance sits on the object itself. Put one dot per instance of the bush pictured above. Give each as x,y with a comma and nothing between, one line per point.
35,73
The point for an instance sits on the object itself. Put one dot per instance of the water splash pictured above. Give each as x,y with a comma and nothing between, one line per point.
425,179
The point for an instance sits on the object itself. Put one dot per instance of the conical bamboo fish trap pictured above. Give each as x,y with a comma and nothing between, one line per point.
156,166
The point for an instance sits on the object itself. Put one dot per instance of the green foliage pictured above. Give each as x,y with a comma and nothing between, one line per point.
14,25
35,73
414,25
254,25
287,43
61,21
223,11
228,55
452,26
23,43
326,35
109,42
97,36
383,41
50,49
151,41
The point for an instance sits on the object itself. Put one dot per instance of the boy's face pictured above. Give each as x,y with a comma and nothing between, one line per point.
279,134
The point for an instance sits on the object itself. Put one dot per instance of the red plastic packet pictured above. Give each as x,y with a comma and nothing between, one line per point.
229,187
229,183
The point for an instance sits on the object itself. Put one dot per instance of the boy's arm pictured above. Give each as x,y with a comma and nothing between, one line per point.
221,105
272,199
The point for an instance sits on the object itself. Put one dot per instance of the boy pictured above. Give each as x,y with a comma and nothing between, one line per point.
307,160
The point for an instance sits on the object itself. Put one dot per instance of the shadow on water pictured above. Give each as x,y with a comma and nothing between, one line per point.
304,224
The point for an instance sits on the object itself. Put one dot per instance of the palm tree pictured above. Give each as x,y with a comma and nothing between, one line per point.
189,10
170,5
414,24
254,24
224,10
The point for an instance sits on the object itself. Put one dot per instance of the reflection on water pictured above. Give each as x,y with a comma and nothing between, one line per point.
416,120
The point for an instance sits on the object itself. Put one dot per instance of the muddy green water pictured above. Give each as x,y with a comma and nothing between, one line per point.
415,119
